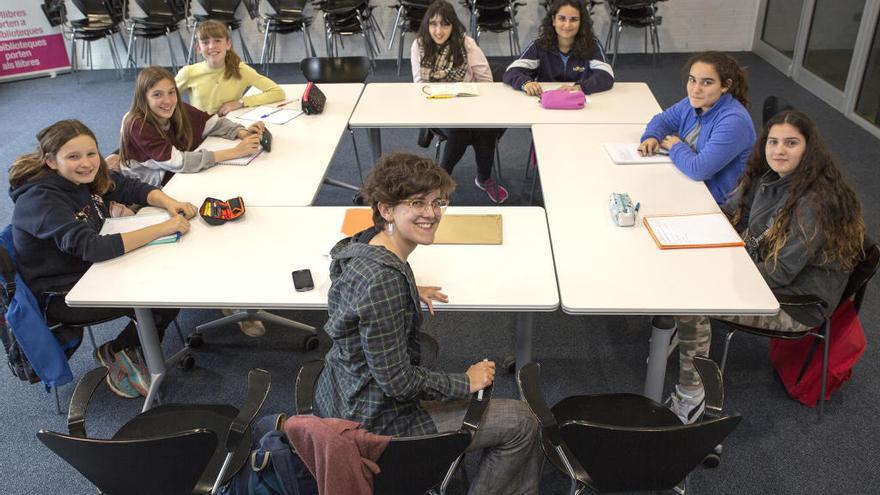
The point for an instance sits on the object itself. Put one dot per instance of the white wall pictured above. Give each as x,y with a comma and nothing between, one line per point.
688,26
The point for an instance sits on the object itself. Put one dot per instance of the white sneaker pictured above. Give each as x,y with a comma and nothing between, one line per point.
688,407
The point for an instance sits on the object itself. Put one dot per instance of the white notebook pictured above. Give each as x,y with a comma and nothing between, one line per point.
214,143
692,231
272,114
628,154
122,225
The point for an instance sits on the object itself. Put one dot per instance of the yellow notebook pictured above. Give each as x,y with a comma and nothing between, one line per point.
453,229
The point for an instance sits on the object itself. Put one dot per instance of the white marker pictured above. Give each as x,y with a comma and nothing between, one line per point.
480,392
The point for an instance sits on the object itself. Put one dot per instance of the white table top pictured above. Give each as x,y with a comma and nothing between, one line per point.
605,269
498,105
248,263
292,173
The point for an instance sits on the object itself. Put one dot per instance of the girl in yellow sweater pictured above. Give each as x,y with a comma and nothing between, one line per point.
217,85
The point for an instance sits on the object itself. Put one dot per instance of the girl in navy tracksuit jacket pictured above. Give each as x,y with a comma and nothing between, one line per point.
565,51
61,192
717,102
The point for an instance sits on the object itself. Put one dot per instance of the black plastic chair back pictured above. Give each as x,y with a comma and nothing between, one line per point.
220,8
170,465
634,458
335,69
91,7
416,464
862,273
773,105
287,7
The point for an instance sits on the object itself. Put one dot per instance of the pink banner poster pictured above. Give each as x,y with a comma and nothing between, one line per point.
28,45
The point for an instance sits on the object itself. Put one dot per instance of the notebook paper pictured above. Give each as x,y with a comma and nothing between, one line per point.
122,225
628,154
692,231
214,143
272,114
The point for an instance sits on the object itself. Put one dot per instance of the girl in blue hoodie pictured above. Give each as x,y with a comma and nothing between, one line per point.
61,192
709,133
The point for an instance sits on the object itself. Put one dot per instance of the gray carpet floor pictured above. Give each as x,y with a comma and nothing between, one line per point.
779,447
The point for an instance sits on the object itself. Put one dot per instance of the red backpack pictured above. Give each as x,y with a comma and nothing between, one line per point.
803,379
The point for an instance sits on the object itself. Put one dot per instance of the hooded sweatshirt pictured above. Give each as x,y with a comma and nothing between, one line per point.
372,373
55,225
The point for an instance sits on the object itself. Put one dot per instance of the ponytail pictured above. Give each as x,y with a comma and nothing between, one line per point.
732,75
232,70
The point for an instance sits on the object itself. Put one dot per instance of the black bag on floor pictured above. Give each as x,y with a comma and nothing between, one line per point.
273,468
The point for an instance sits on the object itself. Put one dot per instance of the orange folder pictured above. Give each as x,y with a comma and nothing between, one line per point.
453,229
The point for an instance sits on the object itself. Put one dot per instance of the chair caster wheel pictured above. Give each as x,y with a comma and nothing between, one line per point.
712,461
195,340
310,343
187,362
509,363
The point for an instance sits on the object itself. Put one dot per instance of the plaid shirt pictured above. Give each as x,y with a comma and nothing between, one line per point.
372,373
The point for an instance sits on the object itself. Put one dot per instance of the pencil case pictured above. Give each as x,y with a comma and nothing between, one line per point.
218,212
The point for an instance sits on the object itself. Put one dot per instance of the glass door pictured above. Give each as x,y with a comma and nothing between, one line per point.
830,48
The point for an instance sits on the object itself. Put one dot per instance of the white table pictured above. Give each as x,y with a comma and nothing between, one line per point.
605,269
200,271
395,105
289,175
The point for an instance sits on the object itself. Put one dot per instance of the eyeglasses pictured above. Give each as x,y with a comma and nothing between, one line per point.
420,205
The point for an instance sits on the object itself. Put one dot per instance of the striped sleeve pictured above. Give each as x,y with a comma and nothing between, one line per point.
523,69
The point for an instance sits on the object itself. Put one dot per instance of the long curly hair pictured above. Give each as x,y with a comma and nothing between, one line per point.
32,166
584,42
430,50
181,128
816,179
731,74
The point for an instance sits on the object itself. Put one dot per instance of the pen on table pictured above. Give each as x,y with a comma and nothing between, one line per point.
480,392
283,103
638,205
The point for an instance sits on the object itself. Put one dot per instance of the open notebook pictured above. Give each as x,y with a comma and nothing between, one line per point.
121,225
628,154
450,90
213,143
272,114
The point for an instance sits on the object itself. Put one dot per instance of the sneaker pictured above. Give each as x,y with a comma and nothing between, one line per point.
688,408
117,378
252,328
496,192
138,374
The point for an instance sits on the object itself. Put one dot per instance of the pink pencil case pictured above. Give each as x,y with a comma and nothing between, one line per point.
560,99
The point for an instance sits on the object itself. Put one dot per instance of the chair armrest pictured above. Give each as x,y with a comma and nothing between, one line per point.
528,379
800,300
259,382
476,409
304,390
79,401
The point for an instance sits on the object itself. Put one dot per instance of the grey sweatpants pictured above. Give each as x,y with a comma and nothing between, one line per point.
510,439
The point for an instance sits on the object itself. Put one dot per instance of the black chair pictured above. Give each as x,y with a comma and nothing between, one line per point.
496,16
332,70
855,290
634,13
620,442
774,105
349,18
287,17
160,19
97,23
222,11
172,449
408,20
411,465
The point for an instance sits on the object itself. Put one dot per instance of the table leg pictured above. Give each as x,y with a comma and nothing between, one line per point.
524,325
661,332
375,143
152,349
